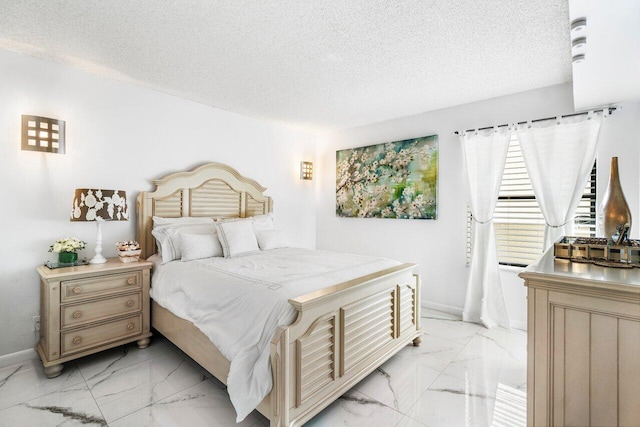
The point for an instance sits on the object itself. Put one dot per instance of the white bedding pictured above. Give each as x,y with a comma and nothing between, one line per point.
253,291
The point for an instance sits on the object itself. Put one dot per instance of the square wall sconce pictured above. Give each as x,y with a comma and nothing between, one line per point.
306,170
43,134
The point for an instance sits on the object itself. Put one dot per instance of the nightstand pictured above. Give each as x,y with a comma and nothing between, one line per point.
90,308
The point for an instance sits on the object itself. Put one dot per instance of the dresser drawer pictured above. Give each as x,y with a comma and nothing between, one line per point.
73,290
81,339
86,312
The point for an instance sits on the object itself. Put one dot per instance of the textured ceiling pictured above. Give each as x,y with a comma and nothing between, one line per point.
319,65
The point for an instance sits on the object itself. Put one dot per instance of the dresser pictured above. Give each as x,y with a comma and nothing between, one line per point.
583,366
90,308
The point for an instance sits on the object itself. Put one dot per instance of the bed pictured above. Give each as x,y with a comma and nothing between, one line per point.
335,339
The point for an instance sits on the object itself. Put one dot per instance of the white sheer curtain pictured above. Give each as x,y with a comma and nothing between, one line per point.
484,156
559,156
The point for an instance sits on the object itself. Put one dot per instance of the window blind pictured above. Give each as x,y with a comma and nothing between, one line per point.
518,221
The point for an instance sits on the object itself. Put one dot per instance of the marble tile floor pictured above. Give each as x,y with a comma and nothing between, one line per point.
461,375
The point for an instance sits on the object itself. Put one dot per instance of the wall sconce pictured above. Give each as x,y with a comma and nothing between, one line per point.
99,206
578,40
43,134
306,170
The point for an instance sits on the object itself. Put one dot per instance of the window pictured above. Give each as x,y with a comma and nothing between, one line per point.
518,221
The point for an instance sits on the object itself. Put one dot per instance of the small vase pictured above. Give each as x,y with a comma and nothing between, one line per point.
67,257
614,211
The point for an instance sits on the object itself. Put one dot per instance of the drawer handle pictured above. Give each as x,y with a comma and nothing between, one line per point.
130,303
77,314
77,290
130,326
77,340
131,280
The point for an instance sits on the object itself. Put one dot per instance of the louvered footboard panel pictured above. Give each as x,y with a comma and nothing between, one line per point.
316,364
367,326
341,335
407,308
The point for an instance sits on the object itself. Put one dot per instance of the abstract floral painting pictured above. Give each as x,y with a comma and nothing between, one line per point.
392,180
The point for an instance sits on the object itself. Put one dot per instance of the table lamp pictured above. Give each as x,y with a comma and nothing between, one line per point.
99,206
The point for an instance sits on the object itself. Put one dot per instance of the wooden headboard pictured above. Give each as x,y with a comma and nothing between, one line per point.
212,190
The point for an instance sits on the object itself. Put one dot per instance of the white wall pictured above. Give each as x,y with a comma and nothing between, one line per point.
122,136
439,246
119,136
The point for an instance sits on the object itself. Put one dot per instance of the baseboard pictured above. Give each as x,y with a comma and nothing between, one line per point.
515,324
442,307
17,357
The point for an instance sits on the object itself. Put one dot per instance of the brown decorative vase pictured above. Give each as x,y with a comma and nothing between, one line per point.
614,211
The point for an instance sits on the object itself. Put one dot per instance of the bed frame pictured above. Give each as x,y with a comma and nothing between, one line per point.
342,333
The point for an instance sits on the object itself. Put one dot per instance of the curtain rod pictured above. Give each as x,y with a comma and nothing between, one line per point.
611,110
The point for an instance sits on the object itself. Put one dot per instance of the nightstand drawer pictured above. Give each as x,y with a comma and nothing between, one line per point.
80,314
74,290
81,339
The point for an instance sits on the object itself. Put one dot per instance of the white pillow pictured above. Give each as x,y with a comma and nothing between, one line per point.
271,239
237,238
263,222
197,246
167,232
159,221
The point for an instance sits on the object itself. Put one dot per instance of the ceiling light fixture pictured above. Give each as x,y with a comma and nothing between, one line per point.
579,24
578,40
579,43
576,59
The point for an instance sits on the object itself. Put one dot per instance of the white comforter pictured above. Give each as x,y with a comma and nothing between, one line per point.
239,302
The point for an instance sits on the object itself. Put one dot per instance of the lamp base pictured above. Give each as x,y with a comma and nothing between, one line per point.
98,259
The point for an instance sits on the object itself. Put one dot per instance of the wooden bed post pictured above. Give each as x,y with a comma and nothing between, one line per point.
418,310
279,395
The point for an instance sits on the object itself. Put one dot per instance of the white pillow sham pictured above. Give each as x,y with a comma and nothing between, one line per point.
237,238
198,246
159,221
271,239
263,222
167,232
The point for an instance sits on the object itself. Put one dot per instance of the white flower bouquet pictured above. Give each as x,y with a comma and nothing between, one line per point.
67,244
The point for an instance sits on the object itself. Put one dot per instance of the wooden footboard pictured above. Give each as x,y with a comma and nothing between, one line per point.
342,334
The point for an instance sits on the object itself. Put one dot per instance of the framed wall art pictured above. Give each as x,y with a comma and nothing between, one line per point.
392,180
